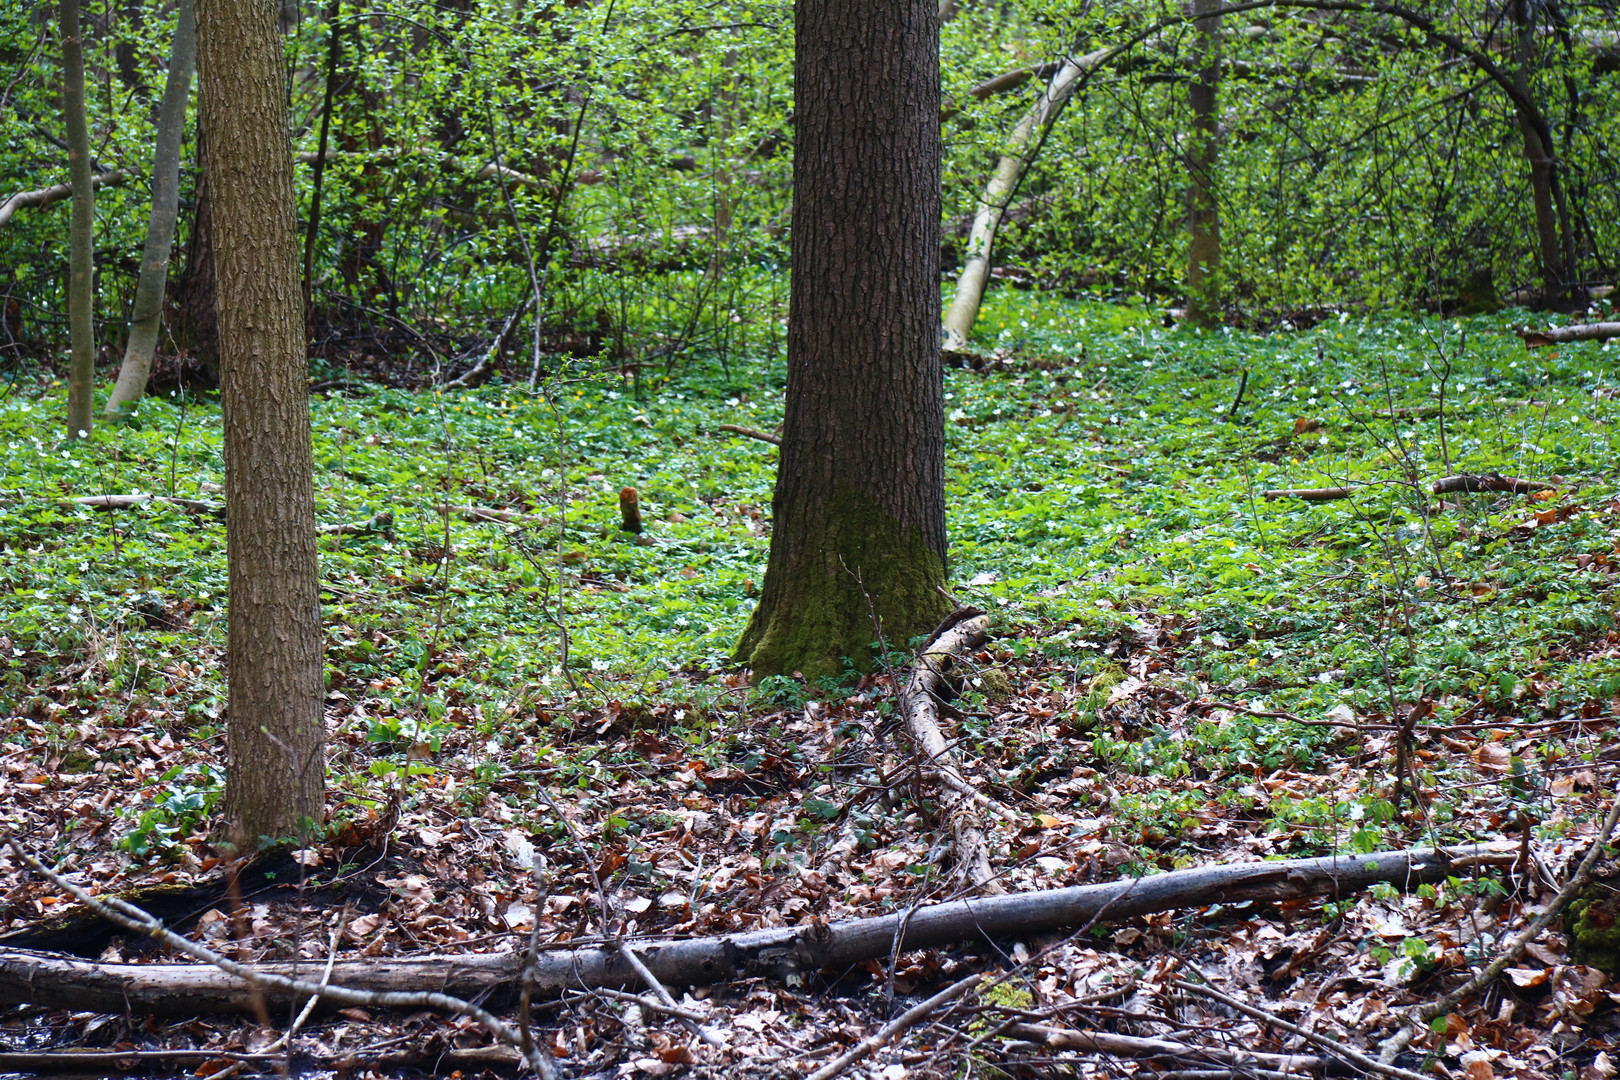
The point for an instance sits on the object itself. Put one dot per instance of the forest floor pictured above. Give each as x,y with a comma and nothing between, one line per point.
1183,672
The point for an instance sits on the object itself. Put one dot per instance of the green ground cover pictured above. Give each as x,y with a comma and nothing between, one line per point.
1104,493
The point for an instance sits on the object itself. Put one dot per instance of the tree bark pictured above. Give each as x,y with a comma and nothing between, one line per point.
57,981
1203,215
1547,335
196,322
147,315
82,230
275,776
858,530
1023,146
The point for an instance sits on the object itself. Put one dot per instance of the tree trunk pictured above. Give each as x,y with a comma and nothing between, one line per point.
1023,147
275,778
859,512
1556,246
82,230
1203,217
147,315
195,323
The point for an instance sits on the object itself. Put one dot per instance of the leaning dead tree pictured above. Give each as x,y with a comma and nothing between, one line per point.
57,981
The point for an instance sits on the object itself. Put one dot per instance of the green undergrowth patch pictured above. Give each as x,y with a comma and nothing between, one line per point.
1106,493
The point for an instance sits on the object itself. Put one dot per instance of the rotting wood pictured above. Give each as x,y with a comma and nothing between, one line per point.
1446,485
1557,335
57,981
962,632
1311,494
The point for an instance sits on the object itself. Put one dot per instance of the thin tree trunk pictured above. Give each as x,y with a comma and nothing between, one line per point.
333,48
275,776
196,320
147,316
1203,215
1023,146
82,230
858,529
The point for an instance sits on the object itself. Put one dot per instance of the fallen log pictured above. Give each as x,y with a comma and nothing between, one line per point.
1310,494
1446,485
54,980
484,513
378,523
1555,335
125,502
964,631
1162,1050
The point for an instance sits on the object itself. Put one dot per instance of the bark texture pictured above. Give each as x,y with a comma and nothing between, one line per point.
276,773
1203,217
147,315
81,231
859,508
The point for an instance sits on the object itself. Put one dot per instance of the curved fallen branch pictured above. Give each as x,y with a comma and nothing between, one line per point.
57,981
964,631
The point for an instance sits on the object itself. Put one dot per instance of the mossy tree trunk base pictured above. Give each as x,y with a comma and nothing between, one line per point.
858,517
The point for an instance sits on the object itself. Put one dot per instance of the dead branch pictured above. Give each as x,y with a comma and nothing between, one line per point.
484,513
58,981
1446,485
1554,335
55,193
125,502
963,632
750,433
873,1043
1132,1046
1422,1014
1311,494
258,985
1331,1045
378,523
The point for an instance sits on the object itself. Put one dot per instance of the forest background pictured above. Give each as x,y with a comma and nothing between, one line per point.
1185,667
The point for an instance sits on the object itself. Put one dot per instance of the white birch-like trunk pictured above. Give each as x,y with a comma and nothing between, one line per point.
1023,146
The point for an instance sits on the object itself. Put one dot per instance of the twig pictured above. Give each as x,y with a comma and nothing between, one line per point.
866,1047
664,995
648,1003
1332,1045
1243,384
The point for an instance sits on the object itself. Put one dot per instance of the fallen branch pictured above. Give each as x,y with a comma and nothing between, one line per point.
378,523
873,1043
1421,1015
125,502
750,433
1446,485
484,513
1311,494
1331,1045
963,632
55,193
1554,335
57,981
1137,1047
